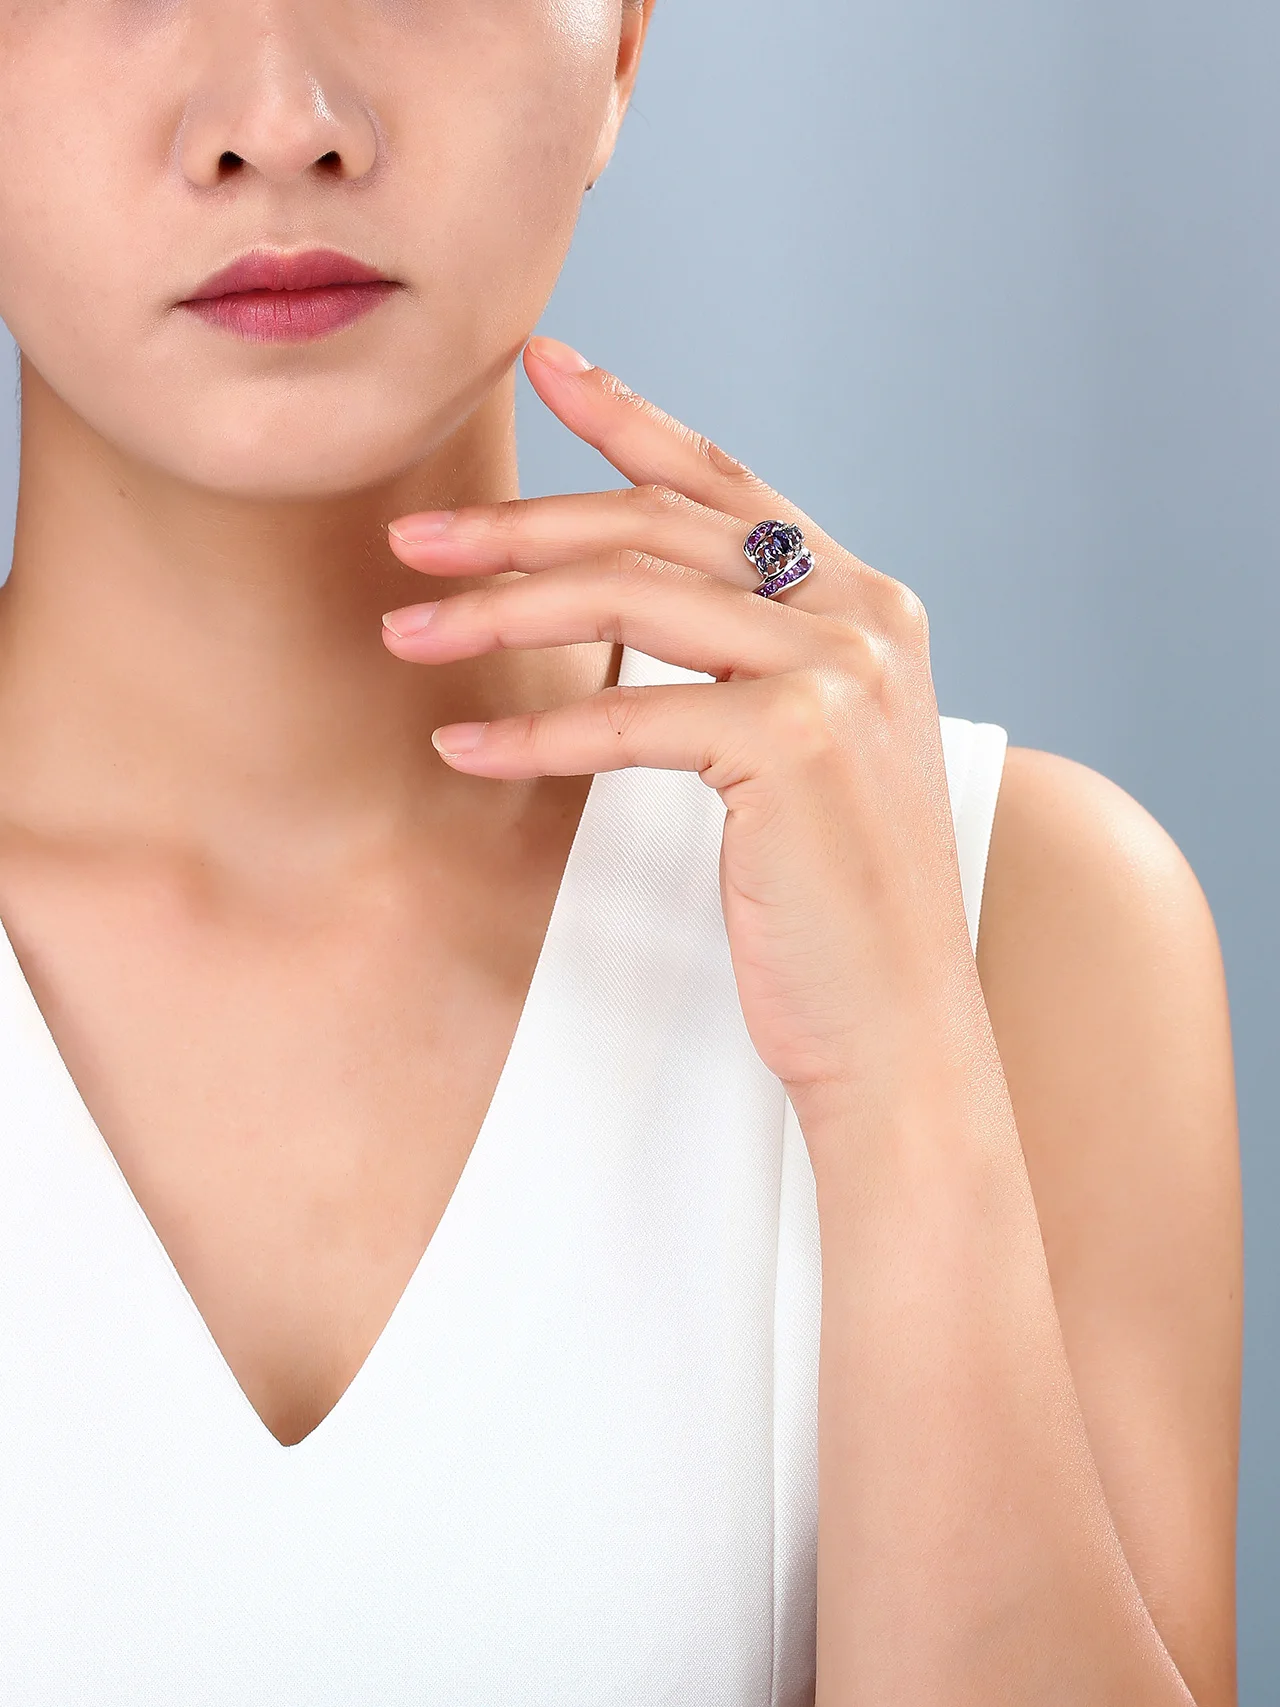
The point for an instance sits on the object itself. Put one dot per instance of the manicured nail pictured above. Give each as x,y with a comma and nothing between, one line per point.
457,738
414,529
558,355
411,619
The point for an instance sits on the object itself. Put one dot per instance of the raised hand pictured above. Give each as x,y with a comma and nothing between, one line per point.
820,732
966,1548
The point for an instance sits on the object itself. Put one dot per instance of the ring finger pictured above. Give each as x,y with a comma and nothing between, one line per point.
669,611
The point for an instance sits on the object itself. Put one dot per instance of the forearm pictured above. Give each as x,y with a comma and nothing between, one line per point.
966,1553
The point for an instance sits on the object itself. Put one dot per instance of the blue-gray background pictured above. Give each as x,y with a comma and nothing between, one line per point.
990,290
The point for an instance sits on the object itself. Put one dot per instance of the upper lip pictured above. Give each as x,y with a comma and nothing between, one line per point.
272,269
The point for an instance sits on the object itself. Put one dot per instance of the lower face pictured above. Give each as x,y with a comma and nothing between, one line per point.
147,143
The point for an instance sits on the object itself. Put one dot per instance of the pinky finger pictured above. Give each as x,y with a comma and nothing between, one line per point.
691,727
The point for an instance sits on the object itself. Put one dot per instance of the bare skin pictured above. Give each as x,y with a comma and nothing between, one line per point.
280,923
283,925
1103,977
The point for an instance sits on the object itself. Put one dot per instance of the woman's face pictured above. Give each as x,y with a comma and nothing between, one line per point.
145,144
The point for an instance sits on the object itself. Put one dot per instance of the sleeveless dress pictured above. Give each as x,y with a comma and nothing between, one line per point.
579,1467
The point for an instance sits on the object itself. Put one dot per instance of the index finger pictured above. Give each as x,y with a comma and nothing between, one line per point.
644,443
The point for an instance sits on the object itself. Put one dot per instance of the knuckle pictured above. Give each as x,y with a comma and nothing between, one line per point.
729,468
487,603
622,707
849,644
652,499
901,612
802,713
502,518
621,392
527,730
632,572
726,466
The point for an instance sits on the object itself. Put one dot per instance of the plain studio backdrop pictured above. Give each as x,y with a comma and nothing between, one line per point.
990,289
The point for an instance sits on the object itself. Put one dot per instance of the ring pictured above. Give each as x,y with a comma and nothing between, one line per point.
779,553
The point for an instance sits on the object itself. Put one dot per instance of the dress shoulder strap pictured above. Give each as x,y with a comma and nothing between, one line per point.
974,754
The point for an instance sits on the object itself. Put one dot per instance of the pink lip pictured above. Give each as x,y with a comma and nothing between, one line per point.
268,296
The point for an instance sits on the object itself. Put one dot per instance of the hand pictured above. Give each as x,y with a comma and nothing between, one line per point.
838,870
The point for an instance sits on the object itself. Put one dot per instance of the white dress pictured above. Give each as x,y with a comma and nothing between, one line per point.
578,1468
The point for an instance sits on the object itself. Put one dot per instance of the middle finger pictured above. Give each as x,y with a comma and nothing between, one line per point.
530,534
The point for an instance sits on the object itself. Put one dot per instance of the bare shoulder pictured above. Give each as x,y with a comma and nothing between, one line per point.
1102,972
1066,834
1104,981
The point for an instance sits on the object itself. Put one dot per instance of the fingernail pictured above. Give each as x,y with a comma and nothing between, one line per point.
411,619
558,355
457,737
413,529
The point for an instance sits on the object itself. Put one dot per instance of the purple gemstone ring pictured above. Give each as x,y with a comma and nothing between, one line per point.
778,551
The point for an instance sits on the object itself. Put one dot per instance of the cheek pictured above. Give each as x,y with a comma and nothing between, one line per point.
79,244
509,154
61,222
500,233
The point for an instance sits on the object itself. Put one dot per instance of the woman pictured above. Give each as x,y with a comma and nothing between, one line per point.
382,1322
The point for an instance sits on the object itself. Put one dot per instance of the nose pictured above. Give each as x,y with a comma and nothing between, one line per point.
270,93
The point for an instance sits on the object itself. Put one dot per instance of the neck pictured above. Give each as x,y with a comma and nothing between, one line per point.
207,671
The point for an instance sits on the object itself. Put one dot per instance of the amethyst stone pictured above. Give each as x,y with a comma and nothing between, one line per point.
772,545
787,576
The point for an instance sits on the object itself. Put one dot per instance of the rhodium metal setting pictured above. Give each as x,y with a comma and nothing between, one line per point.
780,555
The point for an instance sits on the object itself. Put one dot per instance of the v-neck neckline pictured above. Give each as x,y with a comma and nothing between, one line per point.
59,1076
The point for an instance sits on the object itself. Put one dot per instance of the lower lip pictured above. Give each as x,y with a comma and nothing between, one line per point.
290,316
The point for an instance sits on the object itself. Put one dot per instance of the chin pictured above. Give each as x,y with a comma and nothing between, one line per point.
284,446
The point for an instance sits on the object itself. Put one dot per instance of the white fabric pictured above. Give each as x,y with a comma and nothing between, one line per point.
578,1468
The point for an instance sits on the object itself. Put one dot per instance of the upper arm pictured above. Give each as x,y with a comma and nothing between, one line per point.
1102,974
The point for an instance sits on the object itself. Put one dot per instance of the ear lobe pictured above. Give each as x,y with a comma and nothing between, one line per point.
635,25
607,139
